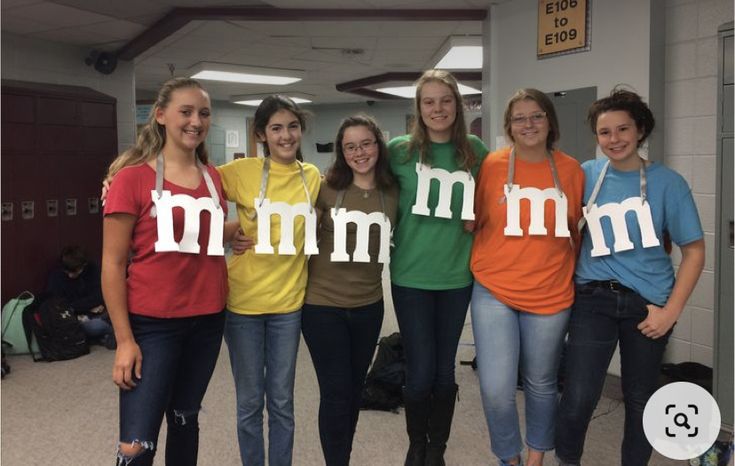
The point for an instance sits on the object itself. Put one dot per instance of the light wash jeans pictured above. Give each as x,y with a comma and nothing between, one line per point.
263,352
505,337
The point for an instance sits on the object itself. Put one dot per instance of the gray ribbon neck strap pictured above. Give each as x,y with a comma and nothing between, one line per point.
598,184
265,173
512,171
202,169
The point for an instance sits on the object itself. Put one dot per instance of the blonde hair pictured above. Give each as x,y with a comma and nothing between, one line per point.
152,136
420,141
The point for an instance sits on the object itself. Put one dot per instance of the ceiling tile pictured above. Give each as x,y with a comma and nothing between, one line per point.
9,4
58,16
320,3
71,36
18,25
119,9
118,29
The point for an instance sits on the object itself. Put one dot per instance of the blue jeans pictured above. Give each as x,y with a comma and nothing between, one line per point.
602,317
505,338
179,356
342,343
431,323
263,352
96,328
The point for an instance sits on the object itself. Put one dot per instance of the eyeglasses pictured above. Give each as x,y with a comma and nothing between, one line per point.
535,118
351,149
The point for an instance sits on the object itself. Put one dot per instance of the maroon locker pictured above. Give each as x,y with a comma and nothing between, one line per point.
57,142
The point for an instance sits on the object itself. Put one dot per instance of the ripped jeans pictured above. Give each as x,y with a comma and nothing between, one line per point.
179,356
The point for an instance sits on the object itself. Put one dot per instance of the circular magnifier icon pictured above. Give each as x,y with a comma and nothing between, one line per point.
681,423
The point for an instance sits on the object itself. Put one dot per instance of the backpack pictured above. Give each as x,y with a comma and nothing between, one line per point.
4,364
13,334
54,325
383,389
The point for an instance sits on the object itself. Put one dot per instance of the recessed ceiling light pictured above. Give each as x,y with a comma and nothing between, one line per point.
244,74
460,53
410,91
254,100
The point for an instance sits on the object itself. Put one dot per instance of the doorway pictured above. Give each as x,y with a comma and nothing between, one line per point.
571,110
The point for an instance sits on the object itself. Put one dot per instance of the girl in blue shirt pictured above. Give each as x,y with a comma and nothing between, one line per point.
626,288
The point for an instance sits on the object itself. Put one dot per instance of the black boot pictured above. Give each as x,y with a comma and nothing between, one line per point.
417,423
440,423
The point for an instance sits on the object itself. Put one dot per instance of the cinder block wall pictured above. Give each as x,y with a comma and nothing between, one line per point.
690,148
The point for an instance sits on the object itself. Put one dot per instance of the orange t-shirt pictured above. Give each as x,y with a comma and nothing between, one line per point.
530,273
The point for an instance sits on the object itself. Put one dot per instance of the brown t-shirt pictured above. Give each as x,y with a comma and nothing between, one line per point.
348,284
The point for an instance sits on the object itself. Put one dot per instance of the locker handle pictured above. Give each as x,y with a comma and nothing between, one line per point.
732,234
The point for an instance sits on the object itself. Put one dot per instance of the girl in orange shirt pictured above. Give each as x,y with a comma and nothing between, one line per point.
528,203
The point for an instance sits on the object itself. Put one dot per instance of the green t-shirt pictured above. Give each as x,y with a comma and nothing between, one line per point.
430,252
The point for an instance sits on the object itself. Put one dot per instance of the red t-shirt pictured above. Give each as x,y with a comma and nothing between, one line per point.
167,284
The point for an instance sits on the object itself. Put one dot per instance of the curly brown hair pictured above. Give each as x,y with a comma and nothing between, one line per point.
627,101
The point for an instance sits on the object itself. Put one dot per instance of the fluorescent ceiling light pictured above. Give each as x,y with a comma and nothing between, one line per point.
256,102
410,91
244,74
255,99
462,57
460,53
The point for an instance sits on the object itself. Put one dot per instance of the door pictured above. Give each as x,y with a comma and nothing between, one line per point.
571,107
723,350
216,145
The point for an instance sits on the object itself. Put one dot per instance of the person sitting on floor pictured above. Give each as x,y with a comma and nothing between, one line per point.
77,280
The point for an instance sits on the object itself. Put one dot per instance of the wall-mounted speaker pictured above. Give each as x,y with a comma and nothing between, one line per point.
104,62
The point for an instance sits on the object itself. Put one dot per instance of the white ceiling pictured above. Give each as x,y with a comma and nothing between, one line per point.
317,47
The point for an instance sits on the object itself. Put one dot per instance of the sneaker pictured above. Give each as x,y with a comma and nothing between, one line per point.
109,342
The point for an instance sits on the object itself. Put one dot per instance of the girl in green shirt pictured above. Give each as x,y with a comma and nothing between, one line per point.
435,168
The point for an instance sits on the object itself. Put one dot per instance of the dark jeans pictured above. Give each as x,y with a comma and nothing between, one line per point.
341,342
431,323
600,319
179,356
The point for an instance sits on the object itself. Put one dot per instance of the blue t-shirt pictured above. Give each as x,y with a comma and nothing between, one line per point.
647,270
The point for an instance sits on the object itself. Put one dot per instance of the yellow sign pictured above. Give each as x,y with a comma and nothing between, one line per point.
562,26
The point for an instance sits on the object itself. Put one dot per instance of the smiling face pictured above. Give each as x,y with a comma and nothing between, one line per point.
283,136
360,149
438,108
529,126
186,118
618,137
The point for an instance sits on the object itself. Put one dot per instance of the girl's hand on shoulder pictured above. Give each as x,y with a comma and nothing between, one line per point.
106,183
128,365
658,323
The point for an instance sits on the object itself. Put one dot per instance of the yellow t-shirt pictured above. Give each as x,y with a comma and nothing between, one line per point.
267,283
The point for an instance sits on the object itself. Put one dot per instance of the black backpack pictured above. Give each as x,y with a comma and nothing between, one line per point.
383,389
54,325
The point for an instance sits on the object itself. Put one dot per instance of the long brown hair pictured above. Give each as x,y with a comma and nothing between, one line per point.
420,141
152,136
339,175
